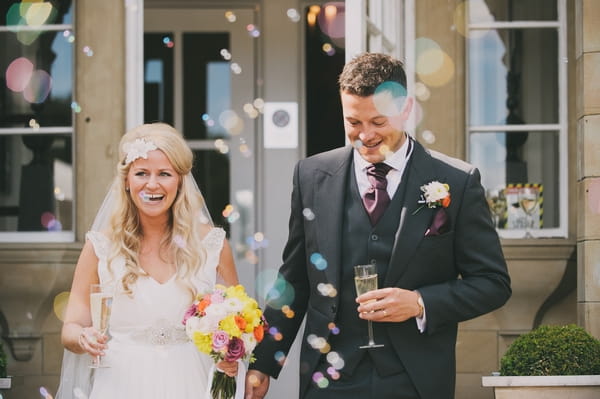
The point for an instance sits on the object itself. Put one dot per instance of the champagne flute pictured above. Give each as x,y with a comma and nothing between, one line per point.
101,297
497,203
365,279
528,201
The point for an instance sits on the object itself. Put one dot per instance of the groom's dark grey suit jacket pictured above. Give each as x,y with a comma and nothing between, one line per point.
461,273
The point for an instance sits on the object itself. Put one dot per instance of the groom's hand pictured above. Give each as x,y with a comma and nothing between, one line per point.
257,384
391,304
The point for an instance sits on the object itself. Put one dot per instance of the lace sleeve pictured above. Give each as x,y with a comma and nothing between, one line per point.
213,243
100,243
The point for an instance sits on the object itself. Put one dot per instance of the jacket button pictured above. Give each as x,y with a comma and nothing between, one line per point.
374,237
333,308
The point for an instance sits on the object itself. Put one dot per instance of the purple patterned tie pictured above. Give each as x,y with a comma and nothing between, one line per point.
376,199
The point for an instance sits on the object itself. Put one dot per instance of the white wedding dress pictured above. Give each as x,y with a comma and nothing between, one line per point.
149,354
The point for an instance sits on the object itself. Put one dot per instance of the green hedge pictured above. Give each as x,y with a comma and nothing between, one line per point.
553,350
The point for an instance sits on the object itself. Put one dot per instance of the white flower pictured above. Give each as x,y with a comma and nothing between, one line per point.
138,149
434,192
249,342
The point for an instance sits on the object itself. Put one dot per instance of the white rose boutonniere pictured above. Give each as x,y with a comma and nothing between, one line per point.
435,194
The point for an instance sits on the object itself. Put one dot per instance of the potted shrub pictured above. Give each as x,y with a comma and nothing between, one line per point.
551,362
4,380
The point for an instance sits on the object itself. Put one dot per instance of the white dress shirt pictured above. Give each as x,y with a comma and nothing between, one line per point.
397,161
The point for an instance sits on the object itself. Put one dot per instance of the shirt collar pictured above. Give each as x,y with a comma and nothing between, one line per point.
396,159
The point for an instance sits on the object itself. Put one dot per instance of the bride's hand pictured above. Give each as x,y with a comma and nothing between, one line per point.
229,368
92,342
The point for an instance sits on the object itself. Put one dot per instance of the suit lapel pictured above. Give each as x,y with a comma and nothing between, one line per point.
330,189
413,223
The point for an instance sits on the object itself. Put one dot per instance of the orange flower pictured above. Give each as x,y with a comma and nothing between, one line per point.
240,322
203,304
259,333
446,201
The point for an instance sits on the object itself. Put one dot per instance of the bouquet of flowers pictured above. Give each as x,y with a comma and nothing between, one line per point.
226,324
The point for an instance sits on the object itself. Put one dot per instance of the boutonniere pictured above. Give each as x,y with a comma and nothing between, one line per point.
435,194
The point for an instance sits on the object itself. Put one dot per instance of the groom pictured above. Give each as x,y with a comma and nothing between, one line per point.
420,216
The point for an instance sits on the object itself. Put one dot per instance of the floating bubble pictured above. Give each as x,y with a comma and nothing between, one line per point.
293,14
38,14
308,214
279,357
259,104
430,56
428,136
230,16
75,107
422,91
389,98
319,261
38,88
253,30
34,124
231,122
55,225
276,291
328,49
442,75
46,218
331,20
357,144
45,394
18,74
88,51
60,304
235,68
251,257
225,54
168,42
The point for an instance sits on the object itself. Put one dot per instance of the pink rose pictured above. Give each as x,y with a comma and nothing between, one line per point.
235,350
189,313
220,339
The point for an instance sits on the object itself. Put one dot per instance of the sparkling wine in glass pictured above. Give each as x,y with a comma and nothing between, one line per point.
497,203
528,201
365,279
101,297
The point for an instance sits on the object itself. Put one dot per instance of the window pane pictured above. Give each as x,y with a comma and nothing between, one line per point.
518,158
512,10
158,77
211,171
36,183
39,79
513,77
207,91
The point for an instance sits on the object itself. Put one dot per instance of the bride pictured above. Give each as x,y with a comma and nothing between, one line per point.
153,242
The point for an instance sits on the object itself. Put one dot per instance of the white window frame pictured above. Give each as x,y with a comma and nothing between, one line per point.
377,26
561,127
43,236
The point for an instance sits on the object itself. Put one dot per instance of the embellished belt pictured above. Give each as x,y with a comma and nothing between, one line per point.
161,334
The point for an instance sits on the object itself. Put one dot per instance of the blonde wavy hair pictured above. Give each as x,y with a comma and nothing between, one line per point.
186,227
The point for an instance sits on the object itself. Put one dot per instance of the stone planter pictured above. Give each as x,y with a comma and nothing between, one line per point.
5,383
547,387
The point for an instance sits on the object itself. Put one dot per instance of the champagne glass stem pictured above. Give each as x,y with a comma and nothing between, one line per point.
371,340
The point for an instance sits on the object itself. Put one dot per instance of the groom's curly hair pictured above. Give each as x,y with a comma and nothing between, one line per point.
364,73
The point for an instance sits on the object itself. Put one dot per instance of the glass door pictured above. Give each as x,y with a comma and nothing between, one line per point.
199,76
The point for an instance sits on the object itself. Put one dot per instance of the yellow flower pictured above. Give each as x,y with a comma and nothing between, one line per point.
252,317
237,291
229,325
203,342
